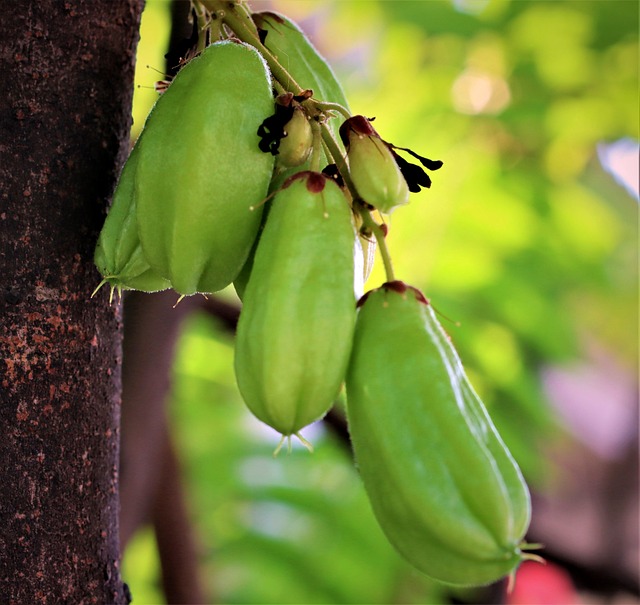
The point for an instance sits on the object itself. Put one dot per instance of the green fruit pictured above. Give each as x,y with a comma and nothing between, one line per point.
373,168
296,146
280,177
442,484
295,52
118,254
200,171
295,329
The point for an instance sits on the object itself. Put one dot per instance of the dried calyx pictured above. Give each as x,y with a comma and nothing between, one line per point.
288,121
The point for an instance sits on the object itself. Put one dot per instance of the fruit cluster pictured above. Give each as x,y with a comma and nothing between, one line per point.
243,174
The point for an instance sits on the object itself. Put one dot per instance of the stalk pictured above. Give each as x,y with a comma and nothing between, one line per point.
322,106
238,19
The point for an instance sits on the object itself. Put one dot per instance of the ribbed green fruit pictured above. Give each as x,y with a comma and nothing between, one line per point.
442,484
296,325
200,170
118,254
295,52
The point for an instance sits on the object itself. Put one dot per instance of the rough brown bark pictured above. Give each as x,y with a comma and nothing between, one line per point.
67,70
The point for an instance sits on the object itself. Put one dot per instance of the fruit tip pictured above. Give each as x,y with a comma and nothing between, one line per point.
287,438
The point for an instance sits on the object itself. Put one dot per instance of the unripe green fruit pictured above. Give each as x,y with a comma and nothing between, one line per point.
118,254
296,146
200,171
280,177
294,334
442,484
373,168
303,62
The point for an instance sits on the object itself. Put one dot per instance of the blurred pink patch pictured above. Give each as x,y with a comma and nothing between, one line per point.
538,584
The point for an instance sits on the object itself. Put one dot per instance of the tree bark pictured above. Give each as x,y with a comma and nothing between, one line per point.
67,69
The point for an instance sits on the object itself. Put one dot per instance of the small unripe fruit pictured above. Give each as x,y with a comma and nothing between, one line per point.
374,170
297,143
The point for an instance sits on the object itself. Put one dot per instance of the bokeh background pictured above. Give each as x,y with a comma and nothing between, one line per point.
527,244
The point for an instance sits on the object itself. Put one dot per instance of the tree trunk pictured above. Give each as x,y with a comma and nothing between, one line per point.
67,71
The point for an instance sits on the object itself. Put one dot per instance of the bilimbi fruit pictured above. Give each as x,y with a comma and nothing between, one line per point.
294,334
296,145
200,171
442,484
382,178
373,168
118,254
287,133
306,67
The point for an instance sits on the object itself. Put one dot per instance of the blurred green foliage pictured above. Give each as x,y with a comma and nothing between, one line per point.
524,239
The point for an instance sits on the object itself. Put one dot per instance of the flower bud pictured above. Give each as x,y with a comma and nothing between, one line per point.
374,170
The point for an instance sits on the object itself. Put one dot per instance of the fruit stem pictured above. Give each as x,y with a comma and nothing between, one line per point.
203,18
316,153
338,158
243,28
325,106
